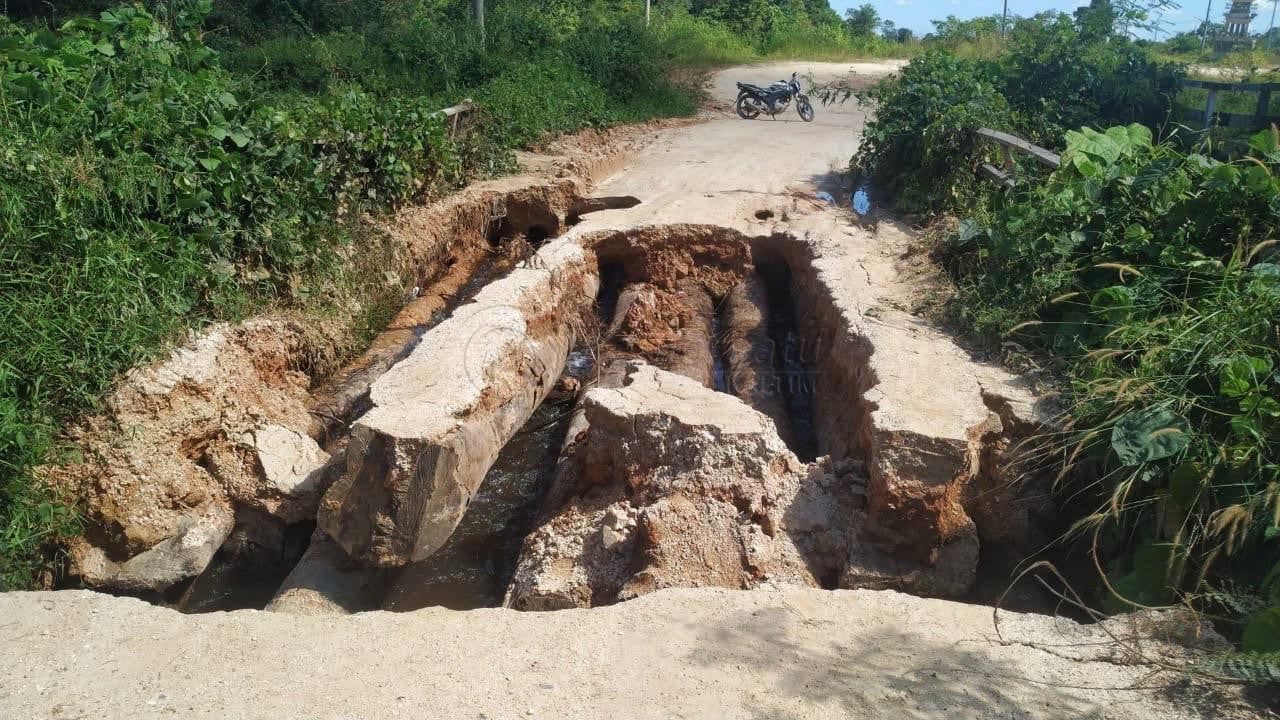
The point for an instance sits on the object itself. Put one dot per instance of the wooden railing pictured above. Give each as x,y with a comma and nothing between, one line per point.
1209,115
455,114
1005,176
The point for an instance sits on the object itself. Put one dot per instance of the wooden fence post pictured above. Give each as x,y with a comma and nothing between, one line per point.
1210,108
1264,107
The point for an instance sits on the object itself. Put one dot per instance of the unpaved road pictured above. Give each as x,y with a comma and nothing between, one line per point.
703,653
722,171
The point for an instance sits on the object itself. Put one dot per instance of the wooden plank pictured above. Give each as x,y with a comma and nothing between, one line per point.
1210,107
1045,157
465,106
994,173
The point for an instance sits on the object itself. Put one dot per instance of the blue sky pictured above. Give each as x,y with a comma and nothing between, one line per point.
916,14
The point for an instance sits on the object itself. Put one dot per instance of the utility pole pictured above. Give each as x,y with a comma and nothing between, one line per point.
479,5
1272,30
1204,29
1004,19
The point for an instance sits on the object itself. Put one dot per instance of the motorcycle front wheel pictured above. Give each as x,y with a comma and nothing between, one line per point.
805,109
747,110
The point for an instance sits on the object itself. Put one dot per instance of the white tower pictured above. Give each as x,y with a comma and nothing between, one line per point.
1239,16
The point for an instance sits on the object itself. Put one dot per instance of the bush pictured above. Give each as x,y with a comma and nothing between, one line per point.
1150,276
1049,78
920,148
691,41
1059,79
529,102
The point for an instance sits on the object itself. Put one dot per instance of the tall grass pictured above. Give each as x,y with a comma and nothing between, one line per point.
697,43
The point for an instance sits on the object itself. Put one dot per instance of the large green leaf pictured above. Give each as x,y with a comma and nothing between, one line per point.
1114,303
1153,433
1093,143
1266,279
1184,484
1263,631
1265,142
1238,375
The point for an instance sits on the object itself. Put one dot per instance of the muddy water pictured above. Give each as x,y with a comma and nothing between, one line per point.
226,585
794,362
473,569
720,360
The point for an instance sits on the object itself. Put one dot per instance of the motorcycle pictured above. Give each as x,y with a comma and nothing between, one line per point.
773,100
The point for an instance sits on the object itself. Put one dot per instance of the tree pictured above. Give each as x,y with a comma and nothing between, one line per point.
953,30
1103,18
889,30
862,21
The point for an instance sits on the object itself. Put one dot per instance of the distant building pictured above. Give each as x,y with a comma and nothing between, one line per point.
1239,16
1235,27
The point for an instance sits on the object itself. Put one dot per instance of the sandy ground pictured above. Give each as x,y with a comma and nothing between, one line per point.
723,170
673,654
786,654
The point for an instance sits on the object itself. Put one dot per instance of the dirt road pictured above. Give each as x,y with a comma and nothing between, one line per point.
724,170
692,653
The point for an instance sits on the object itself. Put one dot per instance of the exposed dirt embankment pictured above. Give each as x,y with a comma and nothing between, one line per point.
232,434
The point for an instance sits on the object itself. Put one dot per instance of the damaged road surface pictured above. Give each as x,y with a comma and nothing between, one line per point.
655,413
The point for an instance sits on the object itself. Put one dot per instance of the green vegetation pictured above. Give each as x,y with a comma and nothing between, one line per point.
1143,275
1052,74
168,164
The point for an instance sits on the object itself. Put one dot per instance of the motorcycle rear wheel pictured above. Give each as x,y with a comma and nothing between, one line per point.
746,108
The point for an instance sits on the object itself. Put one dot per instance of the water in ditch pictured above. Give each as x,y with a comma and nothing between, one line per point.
794,359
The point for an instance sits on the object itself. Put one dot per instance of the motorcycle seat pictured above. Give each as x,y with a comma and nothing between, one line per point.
749,86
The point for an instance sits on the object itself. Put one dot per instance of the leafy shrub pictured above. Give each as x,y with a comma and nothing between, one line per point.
1049,77
531,101
920,147
1059,78
1151,277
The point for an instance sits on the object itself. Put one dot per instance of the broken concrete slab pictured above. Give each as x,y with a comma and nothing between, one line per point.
441,415
671,484
290,460
183,555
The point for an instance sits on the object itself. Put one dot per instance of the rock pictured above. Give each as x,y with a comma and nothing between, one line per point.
183,555
441,415
715,496
611,537
290,460
178,438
